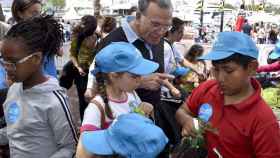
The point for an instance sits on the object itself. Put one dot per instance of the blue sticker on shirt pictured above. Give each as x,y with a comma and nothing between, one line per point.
205,112
13,113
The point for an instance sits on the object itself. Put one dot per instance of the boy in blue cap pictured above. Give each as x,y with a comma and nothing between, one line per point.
232,102
130,136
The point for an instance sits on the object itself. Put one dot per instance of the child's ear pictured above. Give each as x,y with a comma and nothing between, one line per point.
252,67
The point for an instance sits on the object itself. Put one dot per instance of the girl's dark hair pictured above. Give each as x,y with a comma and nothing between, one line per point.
109,24
237,58
21,6
176,24
102,80
85,29
42,33
195,51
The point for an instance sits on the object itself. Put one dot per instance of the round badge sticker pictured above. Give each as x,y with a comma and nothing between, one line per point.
205,112
13,113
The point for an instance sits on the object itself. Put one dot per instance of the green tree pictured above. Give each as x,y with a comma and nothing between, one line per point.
229,6
57,4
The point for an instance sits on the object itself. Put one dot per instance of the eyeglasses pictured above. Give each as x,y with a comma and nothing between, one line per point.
12,65
157,26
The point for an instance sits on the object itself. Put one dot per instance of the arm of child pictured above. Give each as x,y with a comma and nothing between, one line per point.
188,64
65,135
81,152
184,118
270,67
3,136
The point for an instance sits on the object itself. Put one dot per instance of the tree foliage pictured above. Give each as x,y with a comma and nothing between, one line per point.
57,3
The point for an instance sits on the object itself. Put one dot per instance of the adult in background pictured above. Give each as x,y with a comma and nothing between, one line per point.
247,28
171,96
273,34
109,25
153,19
83,42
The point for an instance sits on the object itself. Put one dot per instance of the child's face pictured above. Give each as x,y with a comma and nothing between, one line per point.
18,62
232,78
126,81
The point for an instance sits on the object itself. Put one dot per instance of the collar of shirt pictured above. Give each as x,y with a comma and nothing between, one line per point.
130,34
248,102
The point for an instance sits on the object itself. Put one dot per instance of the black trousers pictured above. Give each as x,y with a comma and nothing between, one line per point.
165,119
81,85
71,74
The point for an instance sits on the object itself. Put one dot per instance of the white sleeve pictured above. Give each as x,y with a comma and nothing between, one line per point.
178,55
92,116
91,77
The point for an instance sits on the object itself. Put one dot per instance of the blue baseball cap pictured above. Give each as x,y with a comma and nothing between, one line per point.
123,57
130,135
276,52
229,43
180,71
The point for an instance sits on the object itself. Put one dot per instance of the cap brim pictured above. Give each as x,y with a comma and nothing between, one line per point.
95,142
216,55
144,68
274,55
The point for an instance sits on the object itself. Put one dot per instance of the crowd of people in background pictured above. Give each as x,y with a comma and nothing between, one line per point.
138,94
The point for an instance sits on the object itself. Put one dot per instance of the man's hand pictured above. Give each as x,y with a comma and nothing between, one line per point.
154,81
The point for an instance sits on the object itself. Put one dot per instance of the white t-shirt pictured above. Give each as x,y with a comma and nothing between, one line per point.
169,61
92,115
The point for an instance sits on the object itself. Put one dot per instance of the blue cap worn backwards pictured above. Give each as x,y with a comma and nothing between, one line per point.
276,52
123,57
229,43
130,135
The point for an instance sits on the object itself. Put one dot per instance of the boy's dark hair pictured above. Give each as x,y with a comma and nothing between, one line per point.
237,58
20,6
42,33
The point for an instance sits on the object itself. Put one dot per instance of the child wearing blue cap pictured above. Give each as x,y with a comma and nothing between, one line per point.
118,70
130,136
246,126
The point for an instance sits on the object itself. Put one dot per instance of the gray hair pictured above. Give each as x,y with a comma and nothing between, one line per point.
144,4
